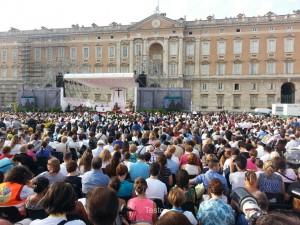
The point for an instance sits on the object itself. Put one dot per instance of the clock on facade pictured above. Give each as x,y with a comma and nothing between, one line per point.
156,23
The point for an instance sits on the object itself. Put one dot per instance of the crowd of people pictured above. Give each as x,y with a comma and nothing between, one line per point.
149,168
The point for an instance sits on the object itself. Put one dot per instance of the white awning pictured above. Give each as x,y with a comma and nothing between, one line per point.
98,80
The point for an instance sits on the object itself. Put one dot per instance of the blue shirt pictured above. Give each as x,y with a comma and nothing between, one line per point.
5,165
44,152
120,143
208,176
125,189
272,184
215,212
139,169
92,179
172,166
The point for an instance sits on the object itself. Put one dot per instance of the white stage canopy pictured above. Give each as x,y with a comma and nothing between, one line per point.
98,80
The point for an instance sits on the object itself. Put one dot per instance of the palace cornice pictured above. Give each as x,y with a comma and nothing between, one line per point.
268,19
242,77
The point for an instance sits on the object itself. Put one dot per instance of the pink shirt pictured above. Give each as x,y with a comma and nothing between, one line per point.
251,165
143,210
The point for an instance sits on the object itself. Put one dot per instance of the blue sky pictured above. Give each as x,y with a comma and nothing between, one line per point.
32,14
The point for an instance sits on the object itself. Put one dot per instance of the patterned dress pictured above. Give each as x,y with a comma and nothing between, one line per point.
215,212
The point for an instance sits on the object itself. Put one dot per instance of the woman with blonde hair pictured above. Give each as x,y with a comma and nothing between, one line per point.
269,181
105,156
15,145
176,198
152,138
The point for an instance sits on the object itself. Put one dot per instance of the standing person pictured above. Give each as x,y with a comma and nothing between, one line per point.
191,167
288,175
215,210
269,181
176,198
251,161
237,179
172,160
212,173
118,140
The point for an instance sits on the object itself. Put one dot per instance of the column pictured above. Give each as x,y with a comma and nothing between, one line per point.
118,55
180,58
197,58
131,56
166,57
145,55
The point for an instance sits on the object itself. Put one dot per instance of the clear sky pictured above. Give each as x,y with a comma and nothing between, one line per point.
32,14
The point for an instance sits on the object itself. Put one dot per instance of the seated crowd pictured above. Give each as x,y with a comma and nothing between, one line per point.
174,169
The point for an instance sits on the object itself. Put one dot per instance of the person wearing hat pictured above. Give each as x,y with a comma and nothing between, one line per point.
96,152
268,181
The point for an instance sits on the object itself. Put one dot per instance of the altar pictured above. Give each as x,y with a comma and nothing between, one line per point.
118,83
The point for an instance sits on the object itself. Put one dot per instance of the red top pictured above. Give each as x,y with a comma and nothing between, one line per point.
144,210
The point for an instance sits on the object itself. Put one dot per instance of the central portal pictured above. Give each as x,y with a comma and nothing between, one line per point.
156,59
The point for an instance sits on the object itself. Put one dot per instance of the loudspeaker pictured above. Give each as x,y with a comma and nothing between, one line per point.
142,80
59,80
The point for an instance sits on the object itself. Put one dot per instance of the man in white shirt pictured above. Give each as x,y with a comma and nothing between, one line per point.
293,143
96,152
267,153
156,189
109,146
237,179
67,158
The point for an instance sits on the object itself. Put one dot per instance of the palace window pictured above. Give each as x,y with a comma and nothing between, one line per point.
254,46
221,47
237,46
237,68
205,47
271,67
73,53
271,45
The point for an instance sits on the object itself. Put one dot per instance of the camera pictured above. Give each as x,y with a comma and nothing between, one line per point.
124,210
247,204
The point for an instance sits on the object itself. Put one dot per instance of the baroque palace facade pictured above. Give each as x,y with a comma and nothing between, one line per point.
235,63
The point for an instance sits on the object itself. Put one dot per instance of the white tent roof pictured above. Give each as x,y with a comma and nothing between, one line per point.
98,80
